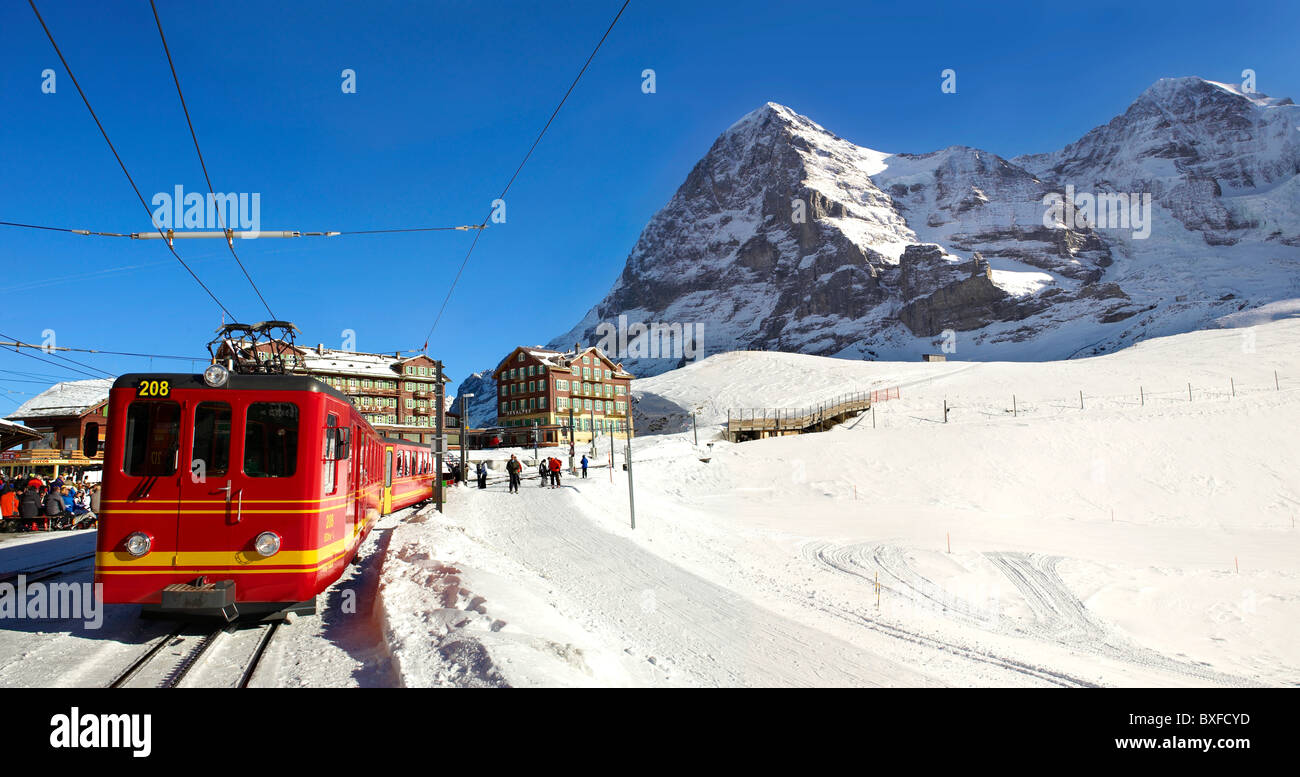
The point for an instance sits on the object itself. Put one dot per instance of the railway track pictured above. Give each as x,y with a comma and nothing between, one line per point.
46,571
171,658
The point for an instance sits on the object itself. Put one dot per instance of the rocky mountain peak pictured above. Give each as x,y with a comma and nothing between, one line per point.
786,236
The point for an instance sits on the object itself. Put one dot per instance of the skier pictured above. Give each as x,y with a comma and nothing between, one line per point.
543,472
513,468
555,473
584,465
482,475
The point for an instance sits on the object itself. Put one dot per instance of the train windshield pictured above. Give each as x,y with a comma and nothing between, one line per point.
152,438
271,440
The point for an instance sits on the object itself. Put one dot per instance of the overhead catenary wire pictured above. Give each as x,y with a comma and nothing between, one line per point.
263,233
17,344
519,169
62,229
106,353
56,364
220,216
118,157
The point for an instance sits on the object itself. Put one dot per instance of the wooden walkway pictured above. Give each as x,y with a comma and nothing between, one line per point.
757,423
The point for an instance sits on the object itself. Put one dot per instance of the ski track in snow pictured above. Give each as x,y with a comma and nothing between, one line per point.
1059,615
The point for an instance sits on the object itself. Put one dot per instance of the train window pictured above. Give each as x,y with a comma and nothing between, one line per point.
152,438
212,437
271,440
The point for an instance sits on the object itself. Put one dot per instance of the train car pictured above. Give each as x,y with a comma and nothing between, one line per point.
231,495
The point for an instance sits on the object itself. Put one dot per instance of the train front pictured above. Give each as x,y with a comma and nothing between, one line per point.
212,501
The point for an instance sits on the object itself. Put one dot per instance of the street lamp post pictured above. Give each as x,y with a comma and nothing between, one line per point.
573,438
464,434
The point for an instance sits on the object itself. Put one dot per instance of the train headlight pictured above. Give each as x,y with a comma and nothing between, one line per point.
267,543
216,376
138,543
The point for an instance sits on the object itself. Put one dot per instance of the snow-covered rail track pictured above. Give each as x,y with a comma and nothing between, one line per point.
45,571
171,658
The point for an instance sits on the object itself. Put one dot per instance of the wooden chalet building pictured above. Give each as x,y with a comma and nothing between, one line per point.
569,396
397,395
57,419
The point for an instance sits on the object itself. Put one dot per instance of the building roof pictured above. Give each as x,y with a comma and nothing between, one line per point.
70,398
560,359
12,434
340,362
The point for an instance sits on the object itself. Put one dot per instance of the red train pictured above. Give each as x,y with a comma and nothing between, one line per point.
232,494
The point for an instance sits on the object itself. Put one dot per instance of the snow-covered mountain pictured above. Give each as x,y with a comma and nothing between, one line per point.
788,237
483,405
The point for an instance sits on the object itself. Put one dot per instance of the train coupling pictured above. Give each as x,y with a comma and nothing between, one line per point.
201,598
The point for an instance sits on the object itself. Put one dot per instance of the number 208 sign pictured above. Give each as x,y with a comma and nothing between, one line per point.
153,388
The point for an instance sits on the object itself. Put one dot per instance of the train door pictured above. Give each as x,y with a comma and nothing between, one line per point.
149,497
336,480
388,479
245,478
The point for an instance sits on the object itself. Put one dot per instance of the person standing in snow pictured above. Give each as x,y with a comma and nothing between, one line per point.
543,472
513,467
584,465
482,475
555,473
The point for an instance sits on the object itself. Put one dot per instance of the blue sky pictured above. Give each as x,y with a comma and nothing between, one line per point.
449,97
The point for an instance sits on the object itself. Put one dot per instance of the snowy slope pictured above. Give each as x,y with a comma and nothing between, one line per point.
1143,540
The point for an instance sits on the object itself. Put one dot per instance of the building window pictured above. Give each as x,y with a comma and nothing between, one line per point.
586,404
586,360
521,357
504,406
620,390
577,371
586,373
561,403
541,402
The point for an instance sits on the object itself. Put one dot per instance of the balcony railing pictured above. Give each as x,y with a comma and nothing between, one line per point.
47,456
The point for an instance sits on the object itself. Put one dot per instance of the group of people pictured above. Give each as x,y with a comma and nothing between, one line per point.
548,472
30,503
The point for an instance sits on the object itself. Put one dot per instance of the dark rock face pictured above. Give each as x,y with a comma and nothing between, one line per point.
785,236
962,306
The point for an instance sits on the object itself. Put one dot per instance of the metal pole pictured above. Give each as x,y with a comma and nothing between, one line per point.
439,393
464,453
696,430
1014,412
631,497
573,437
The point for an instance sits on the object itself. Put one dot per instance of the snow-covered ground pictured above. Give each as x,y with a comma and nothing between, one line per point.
1145,539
